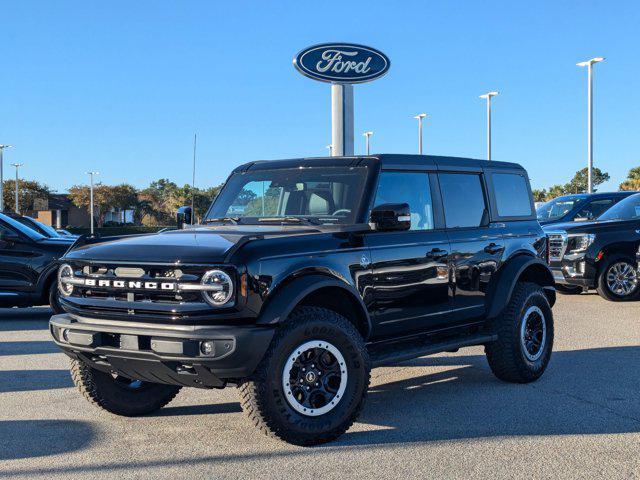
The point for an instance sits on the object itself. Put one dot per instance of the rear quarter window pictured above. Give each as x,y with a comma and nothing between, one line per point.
511,191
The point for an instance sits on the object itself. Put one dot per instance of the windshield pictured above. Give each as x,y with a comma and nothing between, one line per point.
29,232
557,208
318,195
627,209
39,227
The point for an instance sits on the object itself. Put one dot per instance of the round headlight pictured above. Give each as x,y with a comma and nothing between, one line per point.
223,284
65,271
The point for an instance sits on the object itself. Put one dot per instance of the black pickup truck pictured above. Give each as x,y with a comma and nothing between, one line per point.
304,275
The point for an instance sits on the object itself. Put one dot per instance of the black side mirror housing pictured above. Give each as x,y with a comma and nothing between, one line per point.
390,217
184,217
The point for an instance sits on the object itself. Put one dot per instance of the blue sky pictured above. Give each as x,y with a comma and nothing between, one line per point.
121,87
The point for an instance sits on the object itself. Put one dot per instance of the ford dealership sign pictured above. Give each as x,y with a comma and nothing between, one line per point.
342,63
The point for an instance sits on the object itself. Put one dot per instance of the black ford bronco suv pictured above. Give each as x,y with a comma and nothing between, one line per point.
303,276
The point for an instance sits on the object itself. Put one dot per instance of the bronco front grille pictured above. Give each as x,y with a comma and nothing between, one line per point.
157,290
557,246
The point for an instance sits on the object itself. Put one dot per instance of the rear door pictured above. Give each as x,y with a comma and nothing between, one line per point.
410,274
477,246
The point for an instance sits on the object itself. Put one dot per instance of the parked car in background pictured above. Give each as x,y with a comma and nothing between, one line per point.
41,228
28,265
600,254
580,207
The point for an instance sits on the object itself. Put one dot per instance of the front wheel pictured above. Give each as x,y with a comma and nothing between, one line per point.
618,280
525,336
311,385
118,394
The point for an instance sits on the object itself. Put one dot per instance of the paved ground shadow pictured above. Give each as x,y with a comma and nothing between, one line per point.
28,347
31,380
208,409
16,319
592,391
36,438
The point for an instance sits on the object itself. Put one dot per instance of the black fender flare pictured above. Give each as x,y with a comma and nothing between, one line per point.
290,293
50,271
533,268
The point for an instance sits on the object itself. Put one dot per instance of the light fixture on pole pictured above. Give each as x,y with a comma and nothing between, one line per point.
91,174
17,201
2,147
420,117
589,65
366,141
330,147
488,96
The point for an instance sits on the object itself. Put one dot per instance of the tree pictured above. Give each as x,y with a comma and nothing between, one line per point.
105,198
540,195
633,180
28,191
578,183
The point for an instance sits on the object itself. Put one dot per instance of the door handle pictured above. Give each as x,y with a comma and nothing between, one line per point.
437,253
494,248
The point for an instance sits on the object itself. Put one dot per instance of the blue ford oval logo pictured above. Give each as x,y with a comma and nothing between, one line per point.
342,63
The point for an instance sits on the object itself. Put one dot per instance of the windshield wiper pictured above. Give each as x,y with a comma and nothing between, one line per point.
302,220
233,220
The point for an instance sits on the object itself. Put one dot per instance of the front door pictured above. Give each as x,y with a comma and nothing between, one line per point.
476,245
16,274
410,274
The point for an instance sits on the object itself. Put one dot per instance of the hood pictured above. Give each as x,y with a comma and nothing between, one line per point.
196,245
593,226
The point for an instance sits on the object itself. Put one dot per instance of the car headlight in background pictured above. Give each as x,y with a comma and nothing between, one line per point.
65,272
579,243
222,288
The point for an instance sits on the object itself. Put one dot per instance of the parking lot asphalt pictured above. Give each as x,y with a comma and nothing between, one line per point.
444,416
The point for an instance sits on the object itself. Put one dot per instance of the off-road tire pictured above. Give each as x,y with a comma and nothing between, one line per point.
603,288
54,302
506,355
569,289
263,397
102,390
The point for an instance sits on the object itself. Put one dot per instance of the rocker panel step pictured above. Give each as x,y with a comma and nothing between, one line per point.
403,351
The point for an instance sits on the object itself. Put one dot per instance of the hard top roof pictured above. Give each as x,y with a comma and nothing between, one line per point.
387,160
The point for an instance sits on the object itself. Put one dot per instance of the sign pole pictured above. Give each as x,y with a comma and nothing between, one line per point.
341,119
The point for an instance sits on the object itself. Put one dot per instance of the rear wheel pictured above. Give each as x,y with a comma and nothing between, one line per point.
311,385
525,336
618,280
118,394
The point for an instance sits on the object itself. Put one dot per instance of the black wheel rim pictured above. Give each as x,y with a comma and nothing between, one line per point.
314,378
533,333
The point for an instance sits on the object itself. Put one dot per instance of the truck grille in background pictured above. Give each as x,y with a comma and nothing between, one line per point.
557,246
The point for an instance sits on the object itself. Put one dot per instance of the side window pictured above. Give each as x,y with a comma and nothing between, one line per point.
512,195
593,210
463,199
411,188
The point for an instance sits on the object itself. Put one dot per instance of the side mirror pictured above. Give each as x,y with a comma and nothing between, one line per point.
183,217
390,217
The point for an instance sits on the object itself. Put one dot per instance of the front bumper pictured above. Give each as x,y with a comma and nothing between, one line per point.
575,271
168,354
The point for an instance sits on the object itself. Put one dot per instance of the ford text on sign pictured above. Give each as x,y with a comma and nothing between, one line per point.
342,63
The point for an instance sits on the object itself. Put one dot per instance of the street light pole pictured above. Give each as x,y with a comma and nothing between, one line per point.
2,147
17,204
420,117
366,140
488,96
91,174
589,65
